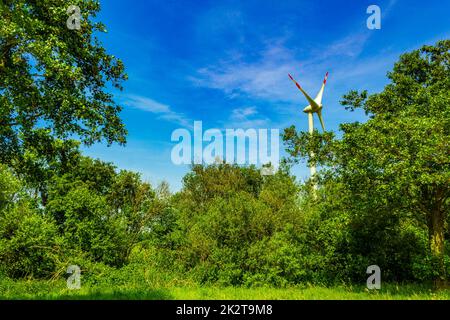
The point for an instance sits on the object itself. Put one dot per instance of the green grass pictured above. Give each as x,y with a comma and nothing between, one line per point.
56,290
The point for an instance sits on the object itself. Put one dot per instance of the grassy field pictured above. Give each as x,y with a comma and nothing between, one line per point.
51,290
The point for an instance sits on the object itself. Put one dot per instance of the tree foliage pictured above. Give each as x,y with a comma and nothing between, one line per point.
396,165
53,80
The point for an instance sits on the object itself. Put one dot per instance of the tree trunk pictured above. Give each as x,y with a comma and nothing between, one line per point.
437,221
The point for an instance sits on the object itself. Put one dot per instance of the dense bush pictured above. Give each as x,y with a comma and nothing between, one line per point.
224,212
228,225
28,239
87,224
91,215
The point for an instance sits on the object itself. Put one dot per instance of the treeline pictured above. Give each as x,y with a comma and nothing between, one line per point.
228,225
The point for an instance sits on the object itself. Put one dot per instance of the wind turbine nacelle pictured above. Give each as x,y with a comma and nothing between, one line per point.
313,108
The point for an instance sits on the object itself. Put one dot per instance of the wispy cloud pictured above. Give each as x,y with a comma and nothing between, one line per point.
266,77
246,117
261,78
163,111
350,46
243,113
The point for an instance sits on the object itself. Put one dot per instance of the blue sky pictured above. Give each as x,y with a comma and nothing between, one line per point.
226,62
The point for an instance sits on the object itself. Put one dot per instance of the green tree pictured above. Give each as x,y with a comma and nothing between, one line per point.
118,208
55,80
42,161
398,161
230,218
88,224
29,242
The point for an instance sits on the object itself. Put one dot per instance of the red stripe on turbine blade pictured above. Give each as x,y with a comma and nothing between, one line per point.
325,80
298,86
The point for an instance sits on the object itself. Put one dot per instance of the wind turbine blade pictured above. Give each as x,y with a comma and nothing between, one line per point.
310,100
319,114
320,94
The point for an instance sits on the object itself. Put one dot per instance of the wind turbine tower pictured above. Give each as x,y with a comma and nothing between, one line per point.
315,106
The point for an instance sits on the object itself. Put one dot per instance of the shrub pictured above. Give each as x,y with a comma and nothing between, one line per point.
29,241
87,223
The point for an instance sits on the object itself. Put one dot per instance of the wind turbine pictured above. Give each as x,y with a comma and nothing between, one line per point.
315,106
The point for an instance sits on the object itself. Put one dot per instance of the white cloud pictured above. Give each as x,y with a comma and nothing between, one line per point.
146,104
350,46
246,117
266,77
164,111
261,78
243,113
